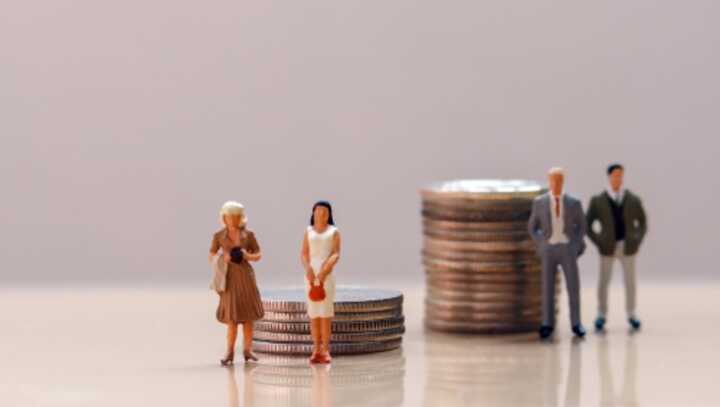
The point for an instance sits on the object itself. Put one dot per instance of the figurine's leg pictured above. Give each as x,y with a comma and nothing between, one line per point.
606,265
326,324
247,335
549,268
628,265
572,281
316,332
231,337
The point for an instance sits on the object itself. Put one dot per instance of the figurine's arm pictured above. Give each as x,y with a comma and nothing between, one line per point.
534,224
214,248
642,219
305,259
332,260
590,218
582,228
253,252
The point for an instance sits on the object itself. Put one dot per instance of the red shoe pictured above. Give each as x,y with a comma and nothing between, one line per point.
315,357
325,358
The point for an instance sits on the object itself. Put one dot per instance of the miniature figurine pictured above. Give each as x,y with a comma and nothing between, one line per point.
319,255
557,225
240,301
623,225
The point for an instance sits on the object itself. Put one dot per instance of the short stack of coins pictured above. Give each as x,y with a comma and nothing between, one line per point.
482,269
366,320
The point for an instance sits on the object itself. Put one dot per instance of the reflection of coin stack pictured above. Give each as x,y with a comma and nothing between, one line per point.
483,274
464,370
366,320
375,380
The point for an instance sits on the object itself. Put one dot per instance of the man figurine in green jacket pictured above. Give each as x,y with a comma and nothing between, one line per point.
622,228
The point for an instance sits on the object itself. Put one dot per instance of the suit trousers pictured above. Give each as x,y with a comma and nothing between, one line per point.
561,255
606,266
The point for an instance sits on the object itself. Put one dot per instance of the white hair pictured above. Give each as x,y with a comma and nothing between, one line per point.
556,171
233,208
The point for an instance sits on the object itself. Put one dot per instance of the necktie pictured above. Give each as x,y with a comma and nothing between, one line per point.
557,206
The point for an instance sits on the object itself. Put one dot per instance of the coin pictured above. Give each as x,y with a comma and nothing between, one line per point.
336,326
475,236
383,335
474,307
433,253
338,348
478,205
449,226
355,316
471,216
520,266
489,246
347,300
481,189
480,327
529,295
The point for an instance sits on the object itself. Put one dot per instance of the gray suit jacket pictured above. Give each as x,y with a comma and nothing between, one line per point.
540,223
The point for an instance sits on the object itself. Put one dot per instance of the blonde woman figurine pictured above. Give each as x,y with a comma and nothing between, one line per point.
240,302
320,253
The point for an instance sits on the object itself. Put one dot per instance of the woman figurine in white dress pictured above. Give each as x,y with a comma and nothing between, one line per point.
320,253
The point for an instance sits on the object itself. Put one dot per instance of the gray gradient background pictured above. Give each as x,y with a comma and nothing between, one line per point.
126,124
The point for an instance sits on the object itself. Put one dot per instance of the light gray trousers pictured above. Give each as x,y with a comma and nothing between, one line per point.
553,256
606,266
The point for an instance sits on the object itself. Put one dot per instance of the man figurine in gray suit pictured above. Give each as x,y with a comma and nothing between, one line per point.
557,225
622,228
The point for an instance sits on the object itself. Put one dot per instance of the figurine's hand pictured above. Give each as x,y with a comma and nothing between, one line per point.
309,275
226,257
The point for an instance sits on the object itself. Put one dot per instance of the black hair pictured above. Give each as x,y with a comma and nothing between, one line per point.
324,204
613,167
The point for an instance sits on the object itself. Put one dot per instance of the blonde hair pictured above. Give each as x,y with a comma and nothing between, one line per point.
231,208
557,171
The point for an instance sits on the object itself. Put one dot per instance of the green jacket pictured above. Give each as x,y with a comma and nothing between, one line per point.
635,223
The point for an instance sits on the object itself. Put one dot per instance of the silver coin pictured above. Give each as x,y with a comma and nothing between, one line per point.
384,335
484,189
480,327
478,205
337,348
465,246
336,326
432,253
485,216
355,316
347,299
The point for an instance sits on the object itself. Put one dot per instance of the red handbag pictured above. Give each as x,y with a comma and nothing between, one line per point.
317,292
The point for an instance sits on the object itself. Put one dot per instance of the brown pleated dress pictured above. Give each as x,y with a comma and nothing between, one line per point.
240,302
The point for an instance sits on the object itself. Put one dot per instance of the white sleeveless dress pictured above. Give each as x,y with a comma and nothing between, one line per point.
321,245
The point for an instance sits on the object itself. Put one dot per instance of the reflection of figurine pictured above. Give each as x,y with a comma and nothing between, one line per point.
320,252
240,301
557,225
622,228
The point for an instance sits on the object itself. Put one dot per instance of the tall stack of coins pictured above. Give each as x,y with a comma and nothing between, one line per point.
366,320
482,270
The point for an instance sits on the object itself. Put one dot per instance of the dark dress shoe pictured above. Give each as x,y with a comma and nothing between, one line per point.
634,323
600,324
579,331
545,331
